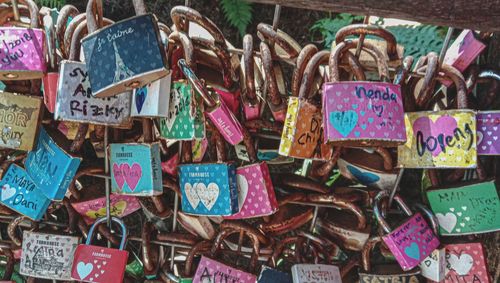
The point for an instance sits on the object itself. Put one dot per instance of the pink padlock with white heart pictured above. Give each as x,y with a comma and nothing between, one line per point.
210,270
256,192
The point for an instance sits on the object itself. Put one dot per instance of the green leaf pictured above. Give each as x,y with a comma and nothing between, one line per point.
51,3
328,27
418,40
238,13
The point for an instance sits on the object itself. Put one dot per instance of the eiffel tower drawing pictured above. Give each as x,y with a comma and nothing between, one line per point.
121,70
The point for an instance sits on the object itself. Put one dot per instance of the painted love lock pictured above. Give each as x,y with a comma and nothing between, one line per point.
380,180
152,100
47,256
136,169
121,206
439,139
20,193
468,209
209,189
185,120
20,116
315,273
50,167
270,275
434,266
363,111
255,192
466,263
23,53
488,133
75,102
210,270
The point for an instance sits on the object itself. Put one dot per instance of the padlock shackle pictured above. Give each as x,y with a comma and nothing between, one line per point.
68,33
273,95
80,32
139,7
182,15
150,256
331,198
50,36
367,249
266,33
94,8
368,29
249,62
248,141
200,248
431,217
12,229
344,46
228,73
66,12
303,58
196,84
220,144
450,72
33,9
431,71
7,15
379,211
101,221
186,44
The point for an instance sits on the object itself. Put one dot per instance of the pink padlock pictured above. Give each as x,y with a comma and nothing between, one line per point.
252,105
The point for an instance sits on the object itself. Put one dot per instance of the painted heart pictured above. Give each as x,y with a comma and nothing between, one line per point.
378,109
140,98
365,178
118,175
132,174
208,194
191,195
83,269
461,264
173,107
7,192
344,121
447,221
443,125
242,189
479,137
413,251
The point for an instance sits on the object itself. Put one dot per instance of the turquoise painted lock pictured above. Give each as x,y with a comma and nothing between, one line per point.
136,169
209,189
20,194
50,167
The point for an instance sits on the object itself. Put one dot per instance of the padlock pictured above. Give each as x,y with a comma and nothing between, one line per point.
252,78
22,195
441,139
488,125
100,264
389,44
255,189
362,113
217,111
411,242
129,54
152,99
270,275
214,270
185,119
50,78
24,58
466,208
50,167
47,255
136,169
302,135
75,101
67,14
463,51
275,90
20,117
386,272
372,167
466,262
317,273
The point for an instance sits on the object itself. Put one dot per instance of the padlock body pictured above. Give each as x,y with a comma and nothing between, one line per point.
367,176
76,103
121,206
152,100
20,116
439,139
226,123
21,194
136,169
302,135
50,90
50,167
23,53
488,132
390,273
363,114
255,192
466,263
47,256
467,209
411,242
99,264
231,99
209,189
125,55
210,270
318,273
434,266
270,275
185,119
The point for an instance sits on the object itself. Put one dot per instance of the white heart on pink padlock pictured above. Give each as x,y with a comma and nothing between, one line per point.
242,189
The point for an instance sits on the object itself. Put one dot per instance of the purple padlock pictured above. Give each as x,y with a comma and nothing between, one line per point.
488,132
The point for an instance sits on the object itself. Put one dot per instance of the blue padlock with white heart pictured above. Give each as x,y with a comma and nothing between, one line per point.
152,100
209,189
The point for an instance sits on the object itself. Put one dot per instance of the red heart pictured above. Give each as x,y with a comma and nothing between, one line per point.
132,174
118,175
